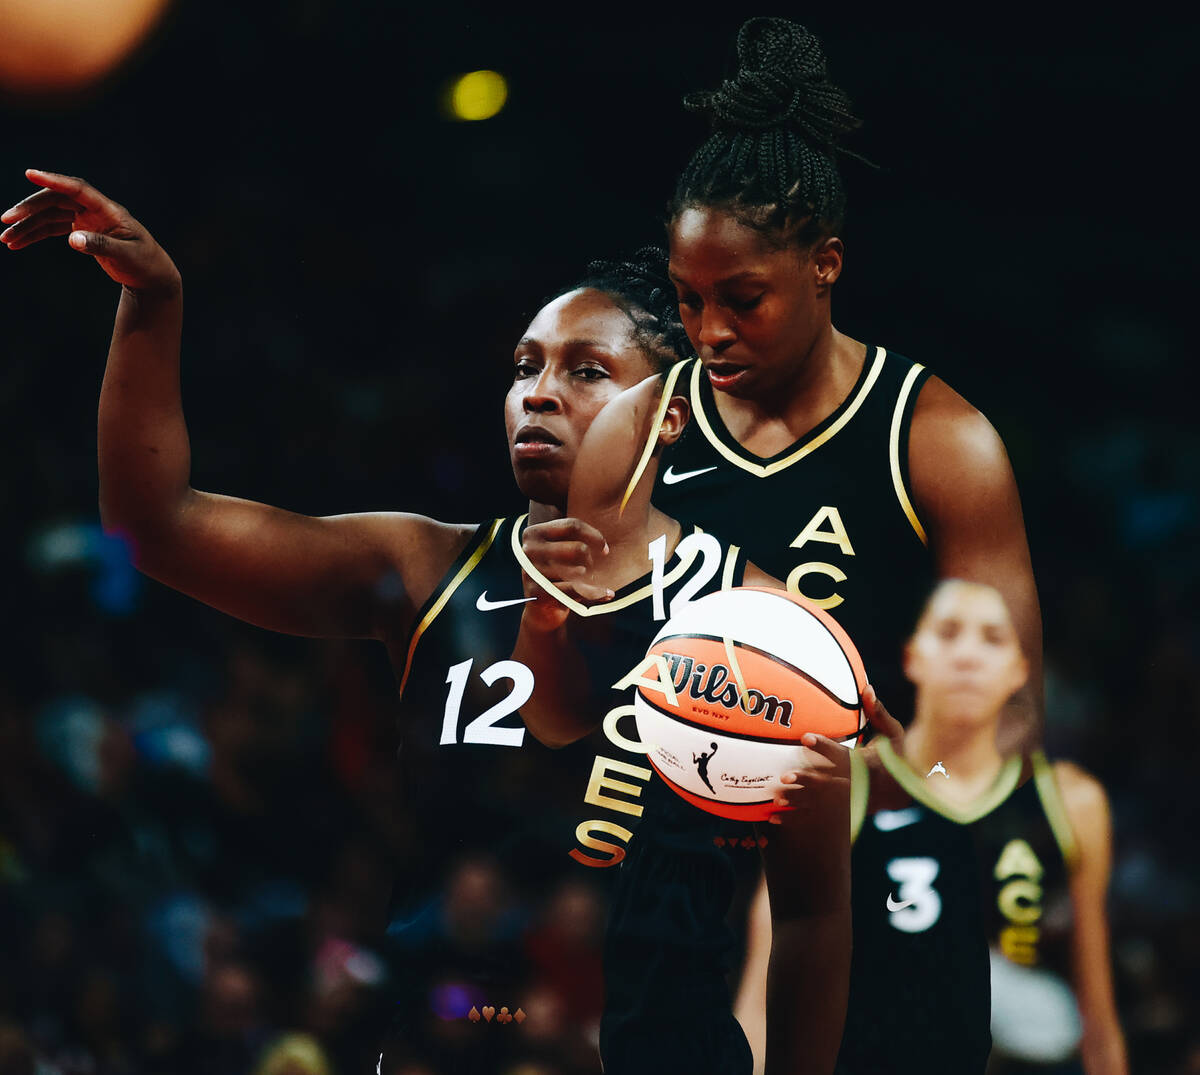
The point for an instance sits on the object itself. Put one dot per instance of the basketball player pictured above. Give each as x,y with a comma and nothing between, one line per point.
445,599
949,861
669,948
845,469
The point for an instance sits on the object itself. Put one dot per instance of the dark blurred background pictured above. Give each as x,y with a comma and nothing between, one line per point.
192,812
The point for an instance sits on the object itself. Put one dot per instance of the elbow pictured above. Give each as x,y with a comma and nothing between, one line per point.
545,731
150,534
554,742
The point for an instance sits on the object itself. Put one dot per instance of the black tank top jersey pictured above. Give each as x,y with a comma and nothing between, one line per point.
494,816
831,515
929,895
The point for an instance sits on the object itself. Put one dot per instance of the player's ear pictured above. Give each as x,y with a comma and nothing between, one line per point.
674,419
907,658
827,261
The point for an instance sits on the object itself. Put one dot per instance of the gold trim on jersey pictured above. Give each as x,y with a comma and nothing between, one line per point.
765,470
445,596
912,782
1056,812
731,555
589,610
860,792
894,453
667,391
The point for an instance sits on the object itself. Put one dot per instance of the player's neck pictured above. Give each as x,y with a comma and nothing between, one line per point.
543,513
629,529
965,751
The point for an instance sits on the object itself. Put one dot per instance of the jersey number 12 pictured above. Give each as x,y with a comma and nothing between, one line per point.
483,728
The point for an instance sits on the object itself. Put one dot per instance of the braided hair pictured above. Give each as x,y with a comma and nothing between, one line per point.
776,127
642,290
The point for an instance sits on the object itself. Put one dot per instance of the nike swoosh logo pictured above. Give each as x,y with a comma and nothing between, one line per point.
890,820
894,906
484,605
670,477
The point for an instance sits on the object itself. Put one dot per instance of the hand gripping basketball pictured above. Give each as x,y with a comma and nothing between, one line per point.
826,764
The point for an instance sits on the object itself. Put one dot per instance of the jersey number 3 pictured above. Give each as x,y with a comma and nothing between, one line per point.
924,906
483,728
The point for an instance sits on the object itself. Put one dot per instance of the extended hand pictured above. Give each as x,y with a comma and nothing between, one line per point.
95,225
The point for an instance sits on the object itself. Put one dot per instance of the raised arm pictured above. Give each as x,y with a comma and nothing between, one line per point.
966,497
1103,1045
320,577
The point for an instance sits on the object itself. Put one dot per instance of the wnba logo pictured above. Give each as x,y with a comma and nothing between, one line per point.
686,674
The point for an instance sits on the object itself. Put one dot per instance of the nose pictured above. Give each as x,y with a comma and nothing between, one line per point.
543,395
967,652
715,331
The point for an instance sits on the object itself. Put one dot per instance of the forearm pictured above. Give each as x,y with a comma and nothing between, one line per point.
557,712
1102,1049
144,456
808,983
807,867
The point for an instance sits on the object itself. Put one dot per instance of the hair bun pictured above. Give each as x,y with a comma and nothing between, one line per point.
781,82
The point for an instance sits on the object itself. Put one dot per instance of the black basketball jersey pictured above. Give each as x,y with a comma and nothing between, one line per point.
920,983
482,796
831,515
1026,855
933,886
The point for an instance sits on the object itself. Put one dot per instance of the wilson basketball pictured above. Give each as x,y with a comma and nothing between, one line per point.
731,683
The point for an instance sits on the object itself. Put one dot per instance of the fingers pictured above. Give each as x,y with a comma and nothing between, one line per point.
564,557
78,190
61,198
827,748
546,612
878,716
565,537
33,229
90,242
42,202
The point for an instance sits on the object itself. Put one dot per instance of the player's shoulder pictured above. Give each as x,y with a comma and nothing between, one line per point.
1085,804
943,419
420,551
956,457
1082,794
411,539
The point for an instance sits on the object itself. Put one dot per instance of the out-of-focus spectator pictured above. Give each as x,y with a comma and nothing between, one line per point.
294,1054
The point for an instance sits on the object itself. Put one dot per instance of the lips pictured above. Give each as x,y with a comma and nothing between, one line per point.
534,442
535,435
723,374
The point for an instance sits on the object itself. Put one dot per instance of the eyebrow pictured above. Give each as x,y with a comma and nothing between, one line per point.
744,274
572,345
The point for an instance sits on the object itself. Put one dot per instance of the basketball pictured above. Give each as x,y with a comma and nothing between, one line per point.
730,684
58,46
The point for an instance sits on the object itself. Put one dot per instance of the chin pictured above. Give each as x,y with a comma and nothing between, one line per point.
540,486
972,712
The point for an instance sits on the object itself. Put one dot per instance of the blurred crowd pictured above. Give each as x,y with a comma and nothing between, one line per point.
193,864
197,823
